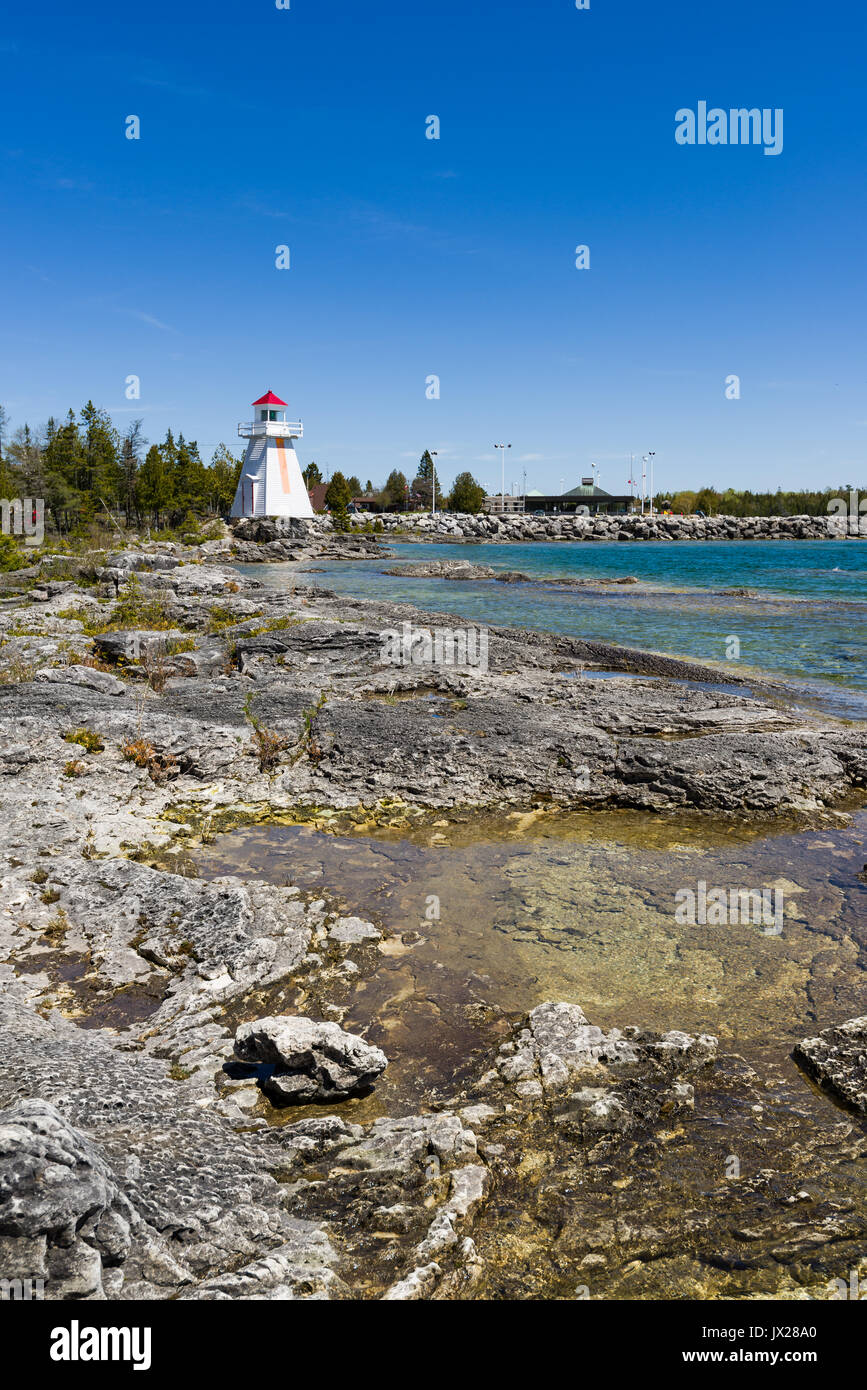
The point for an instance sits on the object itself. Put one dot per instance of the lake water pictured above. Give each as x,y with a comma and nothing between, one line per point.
581,907
804,619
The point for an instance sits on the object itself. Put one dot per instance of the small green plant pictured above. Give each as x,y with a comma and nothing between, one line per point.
135,608
58,926
273,625
12,555
94,662
221,617
16,671
51,895
86,739
74,768
160,766
267,745
139,609
179,1073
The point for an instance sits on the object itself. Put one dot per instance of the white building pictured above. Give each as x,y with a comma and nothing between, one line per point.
271,483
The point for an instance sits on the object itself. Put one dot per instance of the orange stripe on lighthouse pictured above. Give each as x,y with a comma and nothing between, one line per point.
281,459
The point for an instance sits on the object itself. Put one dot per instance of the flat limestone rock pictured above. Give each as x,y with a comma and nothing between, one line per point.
837,1059
313,1061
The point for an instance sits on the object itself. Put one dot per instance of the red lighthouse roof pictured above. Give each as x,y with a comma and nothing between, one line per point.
269,399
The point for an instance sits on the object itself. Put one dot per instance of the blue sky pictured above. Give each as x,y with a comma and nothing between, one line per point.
453,257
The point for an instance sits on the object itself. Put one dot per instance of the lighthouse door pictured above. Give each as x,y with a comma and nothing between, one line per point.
248,494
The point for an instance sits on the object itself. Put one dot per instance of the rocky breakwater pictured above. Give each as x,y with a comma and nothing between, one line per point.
569,526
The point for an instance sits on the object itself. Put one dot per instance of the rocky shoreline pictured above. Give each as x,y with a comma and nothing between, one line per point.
158,1031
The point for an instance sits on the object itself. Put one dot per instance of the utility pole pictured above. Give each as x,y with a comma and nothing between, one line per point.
651,456
433,478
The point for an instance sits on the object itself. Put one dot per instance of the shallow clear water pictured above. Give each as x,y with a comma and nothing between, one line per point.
577,907
805,620
485,916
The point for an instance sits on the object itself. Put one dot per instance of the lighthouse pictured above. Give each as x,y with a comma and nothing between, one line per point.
271,483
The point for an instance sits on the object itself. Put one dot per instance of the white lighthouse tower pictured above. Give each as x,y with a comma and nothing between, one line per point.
271,483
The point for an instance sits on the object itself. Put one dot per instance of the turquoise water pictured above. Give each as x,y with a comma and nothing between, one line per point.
804,619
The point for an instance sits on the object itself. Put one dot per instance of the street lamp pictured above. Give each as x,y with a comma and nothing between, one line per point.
651,456
434,453
504,447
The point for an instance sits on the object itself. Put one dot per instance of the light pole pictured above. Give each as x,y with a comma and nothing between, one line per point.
651,456
504,447
433,478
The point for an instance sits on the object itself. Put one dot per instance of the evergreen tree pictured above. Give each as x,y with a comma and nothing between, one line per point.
64,455
223,475
395,490
7,480
354,486
311,475
130,454
466,495
154,484
338,494
102,472
426,470
188,479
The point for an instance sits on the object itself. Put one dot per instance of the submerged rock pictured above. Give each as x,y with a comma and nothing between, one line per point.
837,1058
314,1061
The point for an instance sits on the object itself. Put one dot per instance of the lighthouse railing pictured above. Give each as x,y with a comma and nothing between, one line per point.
251,428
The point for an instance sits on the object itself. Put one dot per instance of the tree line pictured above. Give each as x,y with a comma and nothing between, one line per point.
399,494
84,466
733,502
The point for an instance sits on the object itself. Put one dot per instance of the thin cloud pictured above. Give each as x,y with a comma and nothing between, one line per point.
151,321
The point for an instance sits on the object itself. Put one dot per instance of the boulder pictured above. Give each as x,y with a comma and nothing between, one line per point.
312,1061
